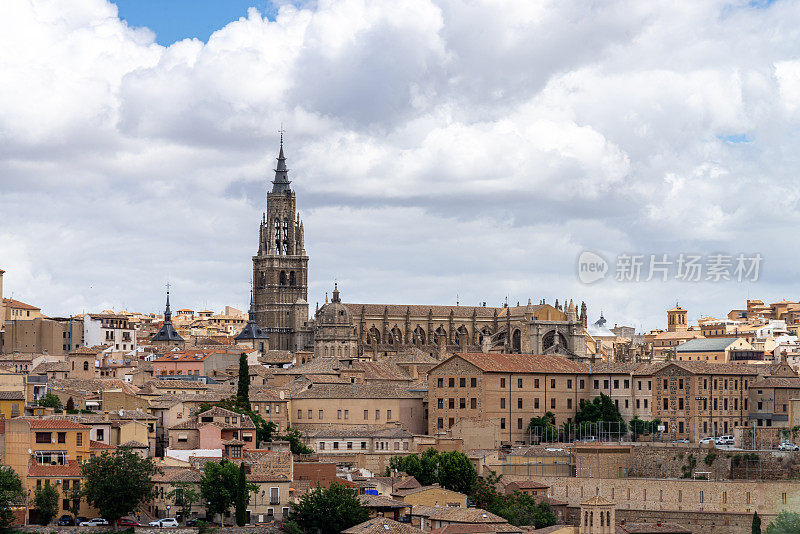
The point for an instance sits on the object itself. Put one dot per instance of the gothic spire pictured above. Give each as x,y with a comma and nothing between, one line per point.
167,312
281,182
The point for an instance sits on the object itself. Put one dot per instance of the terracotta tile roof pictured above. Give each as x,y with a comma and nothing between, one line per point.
379,501
133,444
92,385
12,395
382,525
479,528
652,528
777,382
712,368
177,474
381,371
356,391
71,470
317,366
176,384
11,303
85,351
457,515
420,489
197,355
55,424
98,445
521,363
51,367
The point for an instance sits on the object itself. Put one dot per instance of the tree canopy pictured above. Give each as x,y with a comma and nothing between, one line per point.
451,470
116,483
785,523
50,400
10,493
518,508
220,486
755,527
45,500
327,510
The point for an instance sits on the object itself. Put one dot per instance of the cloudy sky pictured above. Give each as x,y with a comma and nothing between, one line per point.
441,149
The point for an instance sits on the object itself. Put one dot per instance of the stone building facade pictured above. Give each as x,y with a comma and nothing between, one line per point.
280,268
382,330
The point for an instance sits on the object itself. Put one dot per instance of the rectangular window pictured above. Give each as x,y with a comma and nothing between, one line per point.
582,384
310,415
552,403
616,384
502,403
338,414
502,422
666,404
680,403
473,403
519,383
451,382
321,414
596,384
440,423
347,414
473,382
462,402
440,382
605,384
536,403
519,423
519,403
502,382
449,422
535,383
451,403
79,439
645,403
680,383
389,414
439,404
637,404
666,384
553,383
62,437
626,384
364,443
300,414
43,437
569,383
462,382
569,403
378,412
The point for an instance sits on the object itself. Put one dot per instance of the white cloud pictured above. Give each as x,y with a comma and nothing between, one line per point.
437,149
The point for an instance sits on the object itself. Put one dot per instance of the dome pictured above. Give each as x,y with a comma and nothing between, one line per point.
334,312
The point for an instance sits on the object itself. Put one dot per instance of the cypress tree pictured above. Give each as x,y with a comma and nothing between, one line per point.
243,390
241,498
756,527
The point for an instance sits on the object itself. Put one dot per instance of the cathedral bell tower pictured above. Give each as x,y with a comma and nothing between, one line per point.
280,269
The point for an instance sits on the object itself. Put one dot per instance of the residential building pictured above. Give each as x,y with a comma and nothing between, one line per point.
771,396
433,495
347,405
197,362
12,404
212,429
718,349
15,310
42,335
333,441
113,330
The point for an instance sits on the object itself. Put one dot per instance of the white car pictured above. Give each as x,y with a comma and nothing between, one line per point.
725,440
706,441
166,522
788,447
96,522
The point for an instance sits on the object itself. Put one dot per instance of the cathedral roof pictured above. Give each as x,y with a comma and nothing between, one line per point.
251,330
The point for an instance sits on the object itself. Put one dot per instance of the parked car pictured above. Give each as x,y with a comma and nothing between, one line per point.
66,521
81,520
128,522
788,447
96,522
191,523
166,522
681,440
725,440
705,441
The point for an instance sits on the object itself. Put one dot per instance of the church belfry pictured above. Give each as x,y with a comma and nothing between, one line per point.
280,269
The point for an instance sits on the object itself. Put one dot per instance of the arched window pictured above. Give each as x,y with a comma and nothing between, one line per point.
419,336
516,342
283,278
263,279
291,278
586,519
591,519
608,518
286,236
85,366
602,520
277,235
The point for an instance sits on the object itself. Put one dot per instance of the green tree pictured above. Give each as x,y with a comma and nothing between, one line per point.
295,439
45,500
544,427
116,483
602,412
327,510
755,528
70,406
456,472
75,496
10,493
219,486
484,492
243,387
184,494
242,497
521,509
50,400
785,523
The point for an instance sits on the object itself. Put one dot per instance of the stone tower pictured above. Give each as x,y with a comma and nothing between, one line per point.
597,516
676,319
280,269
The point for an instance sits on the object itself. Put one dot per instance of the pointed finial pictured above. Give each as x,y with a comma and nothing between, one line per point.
281,131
